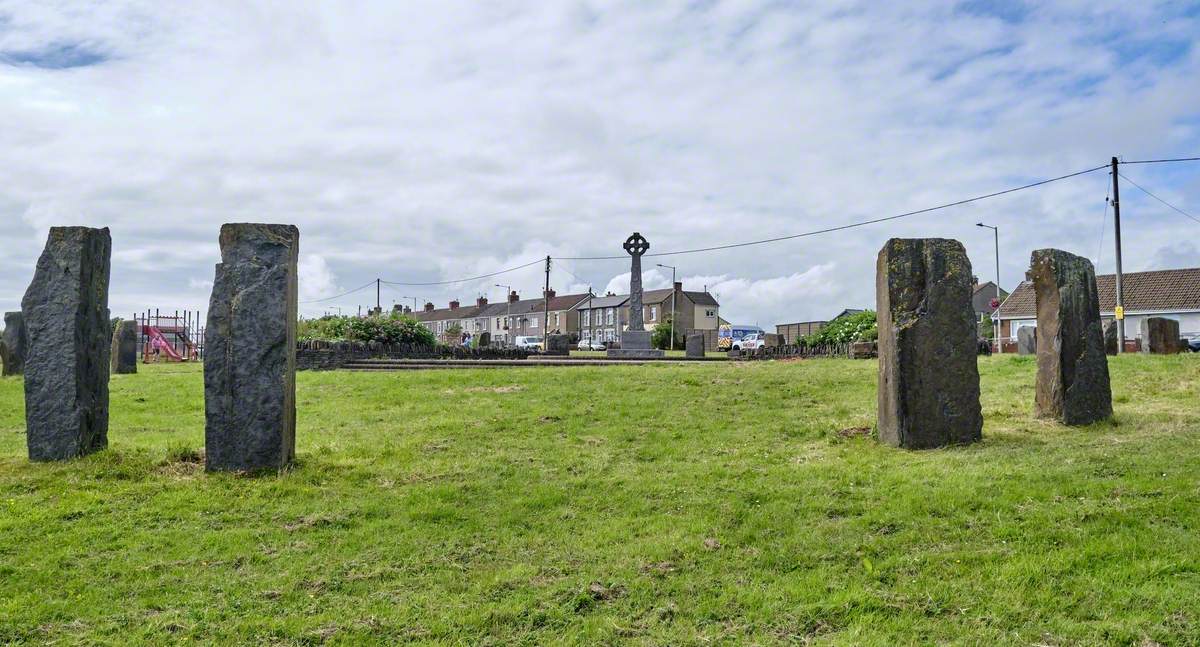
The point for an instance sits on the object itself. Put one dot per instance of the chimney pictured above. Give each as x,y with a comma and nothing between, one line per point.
454,304
407,310
397,308
428,306
548,294
481,301
513,297
679,286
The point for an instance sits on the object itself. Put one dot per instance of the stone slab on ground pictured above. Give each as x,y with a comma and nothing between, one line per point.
124,348
928,373
1026,340
12,344
1072,377
250,350
68,338
1160,336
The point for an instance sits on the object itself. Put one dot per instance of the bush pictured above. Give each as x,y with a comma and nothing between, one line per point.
385,329
860,326
660,337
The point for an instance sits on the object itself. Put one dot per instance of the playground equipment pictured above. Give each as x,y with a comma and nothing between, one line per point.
175,338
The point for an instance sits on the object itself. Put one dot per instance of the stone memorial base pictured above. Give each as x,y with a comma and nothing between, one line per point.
695,346
635,344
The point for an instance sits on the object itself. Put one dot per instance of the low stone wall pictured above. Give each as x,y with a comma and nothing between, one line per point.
330,355
787,351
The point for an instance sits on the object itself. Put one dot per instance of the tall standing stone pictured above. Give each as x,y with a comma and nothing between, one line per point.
1110,338
124,348
68,336
12,344
928,372
635,339
1026,340
1072,377
1160,336
694,345
250,350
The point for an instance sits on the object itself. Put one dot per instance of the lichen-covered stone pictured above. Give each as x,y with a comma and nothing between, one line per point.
68,336
124,348
557,344
250,350
1026,340
1110,338
694,345
928,375
1072,377
12,344
1160,336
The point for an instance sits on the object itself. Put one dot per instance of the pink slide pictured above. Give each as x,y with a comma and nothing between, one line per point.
158,341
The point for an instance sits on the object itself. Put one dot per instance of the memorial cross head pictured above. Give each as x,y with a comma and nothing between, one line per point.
635,245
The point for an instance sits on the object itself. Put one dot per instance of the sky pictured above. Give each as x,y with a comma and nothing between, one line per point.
422,142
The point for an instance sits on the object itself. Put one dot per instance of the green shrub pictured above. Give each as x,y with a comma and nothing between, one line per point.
660,337
386,329
860,326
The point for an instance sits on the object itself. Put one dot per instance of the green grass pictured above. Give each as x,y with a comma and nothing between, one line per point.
662,504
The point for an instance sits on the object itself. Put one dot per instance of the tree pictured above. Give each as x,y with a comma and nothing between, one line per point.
660,337
860,326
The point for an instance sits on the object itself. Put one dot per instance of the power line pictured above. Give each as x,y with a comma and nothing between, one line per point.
361,287
472,278
1147,192
1163,161
853,224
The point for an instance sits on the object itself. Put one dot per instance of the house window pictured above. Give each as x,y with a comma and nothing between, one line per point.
587,317
609,317
653,313
556,320
710,313
533,322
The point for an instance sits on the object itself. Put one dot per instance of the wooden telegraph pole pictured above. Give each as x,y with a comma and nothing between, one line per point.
1120,309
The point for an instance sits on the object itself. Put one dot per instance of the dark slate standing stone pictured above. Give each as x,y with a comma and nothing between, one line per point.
1160,336
12,344
250,350
1110,338
68,336
1026,340
694,345
1072,377
558,345
928,375
124,348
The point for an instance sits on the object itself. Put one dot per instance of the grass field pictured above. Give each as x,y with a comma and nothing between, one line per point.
723,502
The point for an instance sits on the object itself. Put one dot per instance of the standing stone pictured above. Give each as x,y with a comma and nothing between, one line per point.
772,340
1160,336
694,345
1110,337
68,337
12,344
928,375
250,350
124,348
1026,340
1072,377
557,344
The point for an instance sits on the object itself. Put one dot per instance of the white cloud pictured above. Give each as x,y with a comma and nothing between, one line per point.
426,141
315,280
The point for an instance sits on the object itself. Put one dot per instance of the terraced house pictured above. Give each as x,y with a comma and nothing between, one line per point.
604,318
503,321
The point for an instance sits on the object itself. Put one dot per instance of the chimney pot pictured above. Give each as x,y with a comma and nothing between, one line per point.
428,306
454,304
548,294
513,297
481,301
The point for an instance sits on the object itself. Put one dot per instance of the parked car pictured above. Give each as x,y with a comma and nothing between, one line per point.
590,344
753,341
528,342
1194,344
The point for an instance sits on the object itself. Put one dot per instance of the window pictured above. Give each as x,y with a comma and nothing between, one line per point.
556,320
587,317
609,317
653,313
533,322
710,313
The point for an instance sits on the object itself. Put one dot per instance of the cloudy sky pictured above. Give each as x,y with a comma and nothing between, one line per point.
424,142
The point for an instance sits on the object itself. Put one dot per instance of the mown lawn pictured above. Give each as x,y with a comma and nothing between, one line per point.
722,502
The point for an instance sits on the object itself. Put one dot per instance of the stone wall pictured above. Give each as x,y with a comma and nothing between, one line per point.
330,355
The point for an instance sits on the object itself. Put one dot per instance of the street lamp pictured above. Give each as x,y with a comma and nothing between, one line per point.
672,303
507,311
414,304
996,313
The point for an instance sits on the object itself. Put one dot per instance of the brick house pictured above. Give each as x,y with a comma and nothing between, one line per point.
503,321
1174,294
603,318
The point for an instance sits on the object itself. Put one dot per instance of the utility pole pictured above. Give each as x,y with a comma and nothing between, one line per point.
1120,310
672,303
546,308
507,312
996,313
378,307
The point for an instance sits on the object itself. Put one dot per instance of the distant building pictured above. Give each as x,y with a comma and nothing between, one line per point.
502,321
604,318
1174,294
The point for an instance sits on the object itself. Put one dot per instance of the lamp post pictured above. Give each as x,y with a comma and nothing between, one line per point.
996,313
672,268
507,311
414,304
